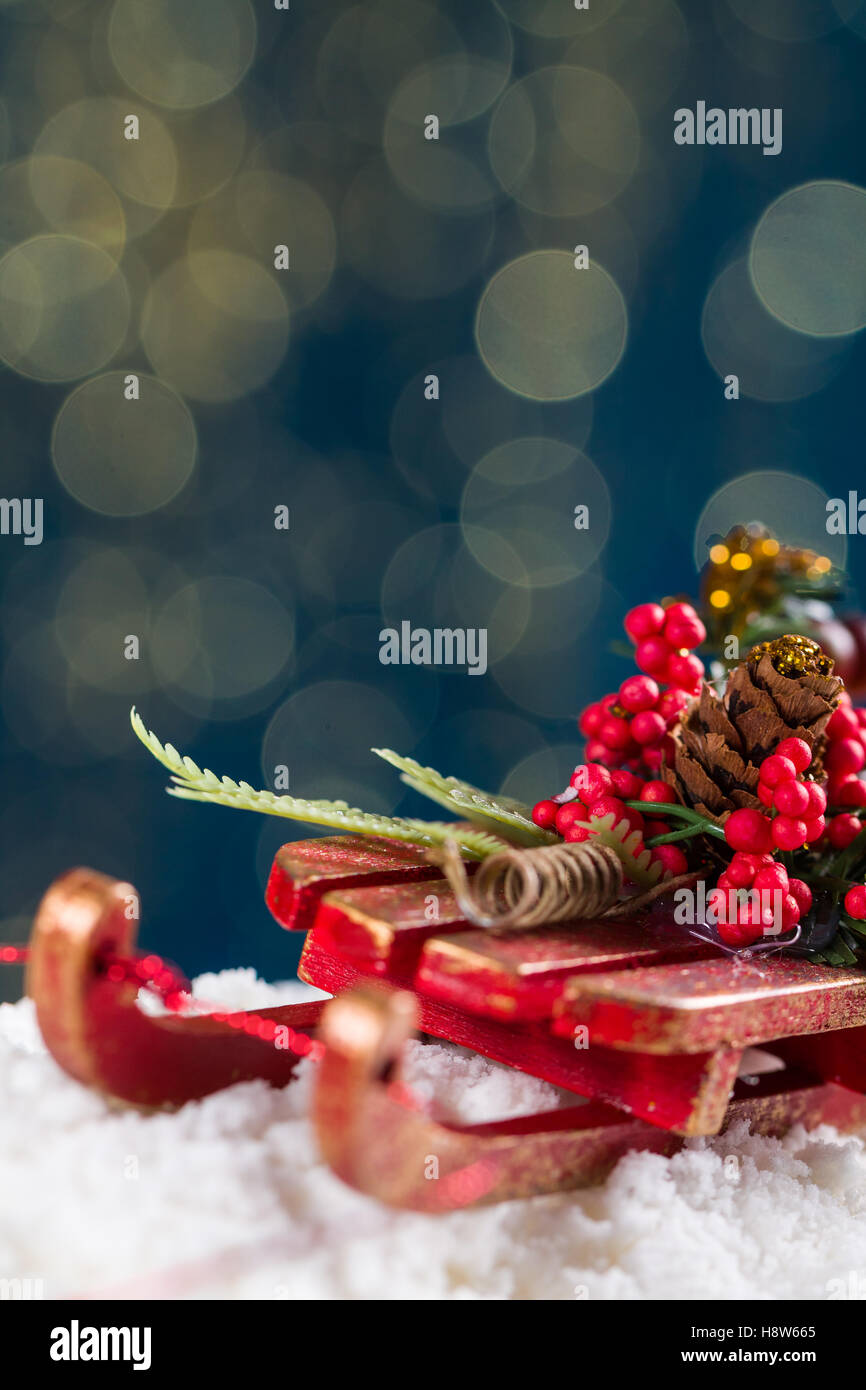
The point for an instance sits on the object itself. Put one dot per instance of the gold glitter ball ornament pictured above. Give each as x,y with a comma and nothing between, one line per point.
794,655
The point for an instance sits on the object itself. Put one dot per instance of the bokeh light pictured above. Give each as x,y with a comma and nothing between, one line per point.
792,507
451,171
123,456
222,639
853,13
564,140
323,735
551,19
182,57
435,580
143,171
50,194
526,492
64,308
770,360
261,210
548,330
644,49
215,325
808,258
209,146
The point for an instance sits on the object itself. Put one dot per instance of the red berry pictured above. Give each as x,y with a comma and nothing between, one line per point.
842,830
790,912
589,721
626,784
776,769
660,793
772,876
765,794
652,655
801,893
792,798
843,723
657,827
684,632
817,800
648,728
590,781
671,858
739,934
598,753
637,693
844,756
741,871
576,833
644,621
726,883
747,829
788,833
608,805
544,813
798,750
685,671
615,732
680,610
848,791
815,829
671,703
855,902
717,902
568,814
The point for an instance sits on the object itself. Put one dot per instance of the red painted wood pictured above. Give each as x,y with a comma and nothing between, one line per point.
384,928
685,1094
518,975
306,869
707,1004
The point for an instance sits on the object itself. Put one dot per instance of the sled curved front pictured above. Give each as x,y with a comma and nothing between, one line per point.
93,1026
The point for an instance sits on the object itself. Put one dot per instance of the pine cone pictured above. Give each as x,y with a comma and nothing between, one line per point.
783,689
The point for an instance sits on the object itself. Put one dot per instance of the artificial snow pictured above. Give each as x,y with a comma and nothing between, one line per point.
227,1198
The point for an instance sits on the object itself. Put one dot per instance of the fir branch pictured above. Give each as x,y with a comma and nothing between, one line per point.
500,814
193,783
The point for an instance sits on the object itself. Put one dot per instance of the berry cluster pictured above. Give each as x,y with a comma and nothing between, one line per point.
631,728
664,639
845,755
755,896
596,791
798,805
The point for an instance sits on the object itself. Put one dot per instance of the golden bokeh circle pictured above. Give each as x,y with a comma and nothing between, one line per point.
46,193
793,507
64,308
548,330
808,258
182,55
564,140
215,325
221,638
123,456
525,492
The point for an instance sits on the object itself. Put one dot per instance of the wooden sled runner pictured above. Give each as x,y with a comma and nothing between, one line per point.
654,1030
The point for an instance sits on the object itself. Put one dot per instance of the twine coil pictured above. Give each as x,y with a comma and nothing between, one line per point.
555,883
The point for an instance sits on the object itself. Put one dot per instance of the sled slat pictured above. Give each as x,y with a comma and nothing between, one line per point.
306,869
518,974
685,1094
384,928
711,1003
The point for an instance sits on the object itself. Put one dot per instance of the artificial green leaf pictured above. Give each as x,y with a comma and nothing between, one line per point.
500,814
194,784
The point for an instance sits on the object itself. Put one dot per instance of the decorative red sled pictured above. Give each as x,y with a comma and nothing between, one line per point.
653,1028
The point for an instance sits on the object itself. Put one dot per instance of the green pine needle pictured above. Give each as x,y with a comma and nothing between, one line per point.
500,814
194,784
